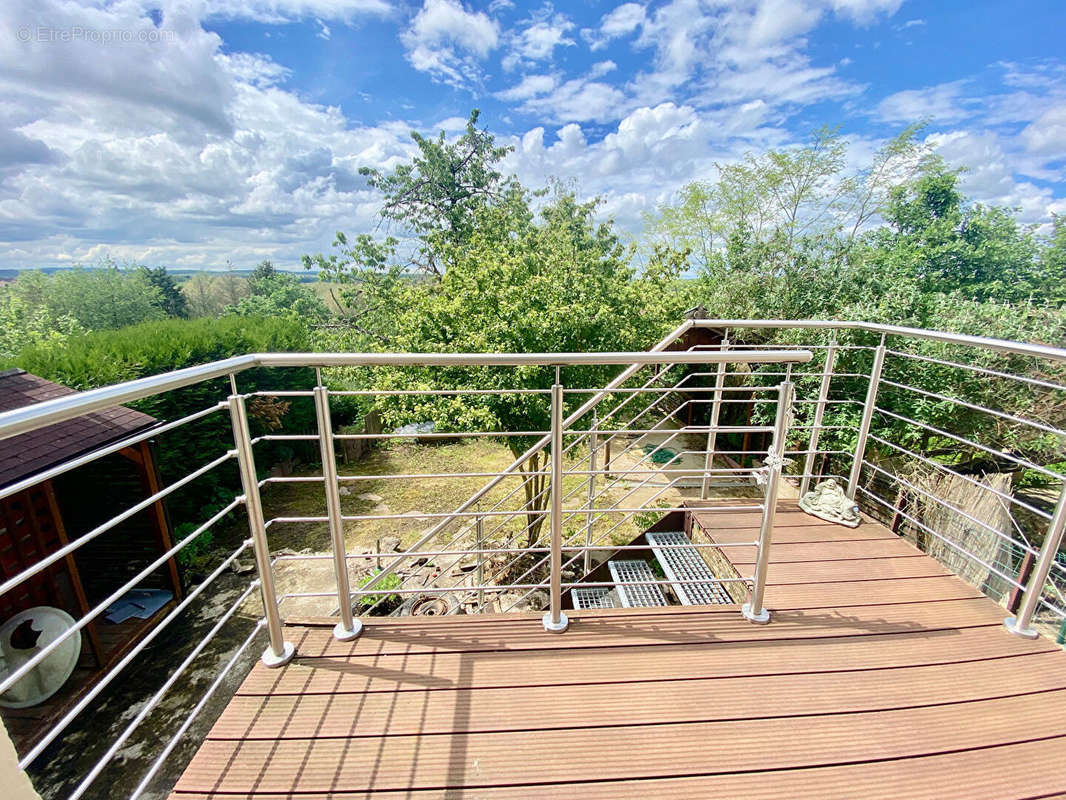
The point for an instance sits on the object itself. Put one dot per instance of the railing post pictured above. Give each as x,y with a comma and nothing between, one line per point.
479,534
1021,624
712,434
278,652
593,446
819,414
753,609
867,418
349,627
555,620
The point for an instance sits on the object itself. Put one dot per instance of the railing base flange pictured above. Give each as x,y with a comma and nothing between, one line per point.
760,618
1011,624
342,634
555,627
271,660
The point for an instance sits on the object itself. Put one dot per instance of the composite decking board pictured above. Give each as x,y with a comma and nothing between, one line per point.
824,551
528,634
985,774
535,708
858,569
635,751
788,597
714,660
852,691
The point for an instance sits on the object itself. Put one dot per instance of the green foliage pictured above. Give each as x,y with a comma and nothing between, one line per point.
209,295
384,602
171,299
99,299
279,294
23,324
438,194
106,357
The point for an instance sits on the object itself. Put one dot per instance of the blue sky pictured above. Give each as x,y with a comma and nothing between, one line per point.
191,134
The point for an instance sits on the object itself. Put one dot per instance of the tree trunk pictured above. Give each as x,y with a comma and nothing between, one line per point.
536,496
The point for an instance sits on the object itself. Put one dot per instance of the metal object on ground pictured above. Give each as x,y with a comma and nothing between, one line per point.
827,501
685,564
22,637
632,572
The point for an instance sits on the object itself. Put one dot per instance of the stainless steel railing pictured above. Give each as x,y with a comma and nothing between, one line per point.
541,534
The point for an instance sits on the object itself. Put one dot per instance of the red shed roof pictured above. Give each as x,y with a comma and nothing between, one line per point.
29,453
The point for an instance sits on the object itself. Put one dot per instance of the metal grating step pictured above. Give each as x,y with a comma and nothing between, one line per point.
686,564
636,596
594,598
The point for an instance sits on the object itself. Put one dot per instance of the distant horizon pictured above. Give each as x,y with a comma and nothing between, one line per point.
235,130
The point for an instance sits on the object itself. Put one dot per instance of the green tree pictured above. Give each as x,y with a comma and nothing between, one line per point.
99,299
437,195
279,294
171,298
554,282
933,237
23,324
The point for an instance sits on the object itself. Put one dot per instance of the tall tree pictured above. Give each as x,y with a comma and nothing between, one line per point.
171,298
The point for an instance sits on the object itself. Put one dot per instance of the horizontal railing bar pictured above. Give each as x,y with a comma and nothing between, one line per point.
1054,609
982,370
512,550
504,587
768,356
676,388
962,440
974,407
953,509
954,545
169,748
982,342
342,437
942,468
148,638
99,530
93,613
474,514
38,415
416,392
89,457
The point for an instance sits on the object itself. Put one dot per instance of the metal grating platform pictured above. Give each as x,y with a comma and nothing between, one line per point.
594,598
636,596
686,564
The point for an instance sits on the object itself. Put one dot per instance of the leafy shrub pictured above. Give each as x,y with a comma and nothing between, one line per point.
150,348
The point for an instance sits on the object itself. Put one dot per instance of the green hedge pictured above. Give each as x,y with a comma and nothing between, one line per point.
149,348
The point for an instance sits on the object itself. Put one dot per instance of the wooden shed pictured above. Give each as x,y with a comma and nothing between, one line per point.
50,508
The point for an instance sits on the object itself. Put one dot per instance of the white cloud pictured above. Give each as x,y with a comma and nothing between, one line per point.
447,41
578,100
281,11
944,103
529,86
1046,135
622,20
601,68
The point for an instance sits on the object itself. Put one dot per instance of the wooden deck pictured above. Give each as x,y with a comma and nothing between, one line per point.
881,675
